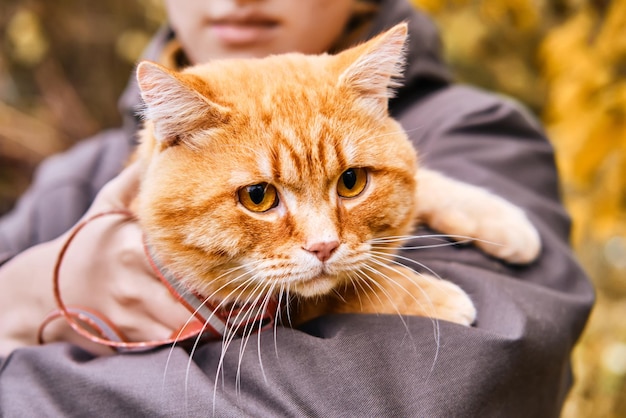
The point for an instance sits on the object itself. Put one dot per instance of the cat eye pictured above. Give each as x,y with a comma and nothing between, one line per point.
258,197
352,182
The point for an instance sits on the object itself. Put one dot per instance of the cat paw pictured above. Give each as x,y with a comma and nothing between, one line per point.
464,211
508,235
451,303
402,291
430,296
499,228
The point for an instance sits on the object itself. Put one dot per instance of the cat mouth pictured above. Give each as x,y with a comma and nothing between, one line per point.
315,281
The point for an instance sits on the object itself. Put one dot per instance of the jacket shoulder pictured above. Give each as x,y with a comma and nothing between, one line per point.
63,187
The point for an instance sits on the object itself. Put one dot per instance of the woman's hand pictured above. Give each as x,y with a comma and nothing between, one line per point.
104,269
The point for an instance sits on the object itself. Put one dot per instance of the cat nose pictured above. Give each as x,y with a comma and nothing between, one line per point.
322,250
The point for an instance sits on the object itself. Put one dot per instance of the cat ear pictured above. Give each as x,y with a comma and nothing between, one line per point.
375,68
176,108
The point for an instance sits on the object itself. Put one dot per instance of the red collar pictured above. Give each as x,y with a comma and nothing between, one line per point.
215,320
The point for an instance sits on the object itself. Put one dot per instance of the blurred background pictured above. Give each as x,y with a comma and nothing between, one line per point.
63,65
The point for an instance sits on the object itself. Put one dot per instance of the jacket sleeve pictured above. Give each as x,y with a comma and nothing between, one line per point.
514,362
63,188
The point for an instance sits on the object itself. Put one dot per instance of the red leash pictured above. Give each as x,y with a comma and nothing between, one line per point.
208,323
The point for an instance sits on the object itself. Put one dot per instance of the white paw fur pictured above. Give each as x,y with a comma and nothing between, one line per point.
498,227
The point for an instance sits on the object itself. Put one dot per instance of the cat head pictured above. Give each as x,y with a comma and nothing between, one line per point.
275,174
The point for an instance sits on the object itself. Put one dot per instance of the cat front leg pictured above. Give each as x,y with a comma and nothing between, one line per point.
398,290
460,210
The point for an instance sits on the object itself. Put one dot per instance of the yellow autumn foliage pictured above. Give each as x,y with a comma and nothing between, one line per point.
585,66
585,62
566,61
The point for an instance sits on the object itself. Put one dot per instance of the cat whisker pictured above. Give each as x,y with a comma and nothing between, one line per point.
265,305
192,316
434,320
458,240
376,261
389,279
364,280
244,287
371,281
393,258
229,334
389,260
338,294
396,238
288,304
210,296
265,294
244,284
260,296
247,266
278,315
358,282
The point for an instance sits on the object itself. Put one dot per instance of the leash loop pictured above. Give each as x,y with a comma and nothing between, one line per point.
208,322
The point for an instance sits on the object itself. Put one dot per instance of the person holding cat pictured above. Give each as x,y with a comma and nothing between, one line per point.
512,362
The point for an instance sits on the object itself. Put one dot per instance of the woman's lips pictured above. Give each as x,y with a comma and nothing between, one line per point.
244,32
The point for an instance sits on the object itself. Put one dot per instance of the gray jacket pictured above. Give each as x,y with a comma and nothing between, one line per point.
514,362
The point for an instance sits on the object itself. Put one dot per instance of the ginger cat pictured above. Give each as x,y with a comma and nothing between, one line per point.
286,177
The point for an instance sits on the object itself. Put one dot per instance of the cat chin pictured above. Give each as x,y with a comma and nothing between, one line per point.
317,286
